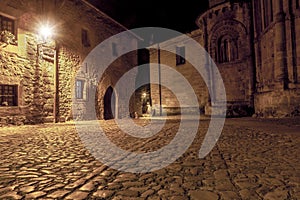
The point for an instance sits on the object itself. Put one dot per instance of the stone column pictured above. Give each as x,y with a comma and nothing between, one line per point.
280,55
209,84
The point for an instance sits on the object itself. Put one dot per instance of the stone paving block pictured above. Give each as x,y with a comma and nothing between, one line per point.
139,189
6,189
78,195
127,198
177,188
88,187
105,194
54,187
27,189
278,193
164,193
221,174
58,194
128,193
132,184
244,183
248,195
224,185
203,195
229,195
179,198
190,185
11,195
147,193
35,195
113,186
75,184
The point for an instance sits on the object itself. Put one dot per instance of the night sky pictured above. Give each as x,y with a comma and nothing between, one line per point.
176,15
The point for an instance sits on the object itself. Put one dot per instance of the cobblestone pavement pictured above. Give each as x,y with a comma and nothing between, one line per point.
253,159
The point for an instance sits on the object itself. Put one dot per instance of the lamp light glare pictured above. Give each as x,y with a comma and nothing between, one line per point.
45,32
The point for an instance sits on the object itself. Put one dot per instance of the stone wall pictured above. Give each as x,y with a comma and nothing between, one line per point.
99,28
228,25
255,47
21,66
277,60
169,97
111,76
281,103
225,33
33,67
68,63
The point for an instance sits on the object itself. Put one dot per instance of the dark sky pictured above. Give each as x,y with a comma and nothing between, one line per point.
176,15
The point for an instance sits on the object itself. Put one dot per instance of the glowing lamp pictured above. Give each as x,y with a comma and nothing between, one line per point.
46,32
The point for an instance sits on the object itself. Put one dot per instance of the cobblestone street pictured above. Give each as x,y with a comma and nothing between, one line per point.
253,159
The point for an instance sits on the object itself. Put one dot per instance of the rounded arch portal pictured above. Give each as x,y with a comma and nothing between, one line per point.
110,104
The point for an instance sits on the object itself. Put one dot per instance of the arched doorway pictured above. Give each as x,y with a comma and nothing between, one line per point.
109,104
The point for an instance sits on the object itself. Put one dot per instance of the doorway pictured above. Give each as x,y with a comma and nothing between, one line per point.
109,104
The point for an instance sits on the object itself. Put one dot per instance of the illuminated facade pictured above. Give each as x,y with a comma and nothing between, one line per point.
255,46
37,76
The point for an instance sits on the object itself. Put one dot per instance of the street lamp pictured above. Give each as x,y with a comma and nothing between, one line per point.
45,34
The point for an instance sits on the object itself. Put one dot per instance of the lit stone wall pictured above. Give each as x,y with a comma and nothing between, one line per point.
277,60
169,101
230,21
20,64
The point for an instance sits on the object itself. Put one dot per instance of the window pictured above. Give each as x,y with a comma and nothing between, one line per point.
7,24
85,38
114,49
180,55
226,50
8,95
79,89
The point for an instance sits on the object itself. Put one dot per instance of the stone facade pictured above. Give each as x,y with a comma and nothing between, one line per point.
169,101
227,37
254,45
40,75
276,44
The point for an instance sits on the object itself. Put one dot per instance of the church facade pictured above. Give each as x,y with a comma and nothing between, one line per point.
38,78
255,45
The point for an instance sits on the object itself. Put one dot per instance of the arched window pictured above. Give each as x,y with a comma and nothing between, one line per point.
226,50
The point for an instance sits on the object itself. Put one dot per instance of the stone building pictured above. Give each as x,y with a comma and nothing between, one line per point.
254,45
38,76
164,96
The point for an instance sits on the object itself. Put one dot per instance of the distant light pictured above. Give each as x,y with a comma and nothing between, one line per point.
46,32
144,95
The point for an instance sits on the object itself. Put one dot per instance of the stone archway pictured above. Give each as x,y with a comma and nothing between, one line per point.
109,104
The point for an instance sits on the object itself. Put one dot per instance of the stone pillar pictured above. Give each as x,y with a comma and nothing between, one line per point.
207,65
280,55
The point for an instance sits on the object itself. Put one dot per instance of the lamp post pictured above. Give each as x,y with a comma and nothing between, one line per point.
45,33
